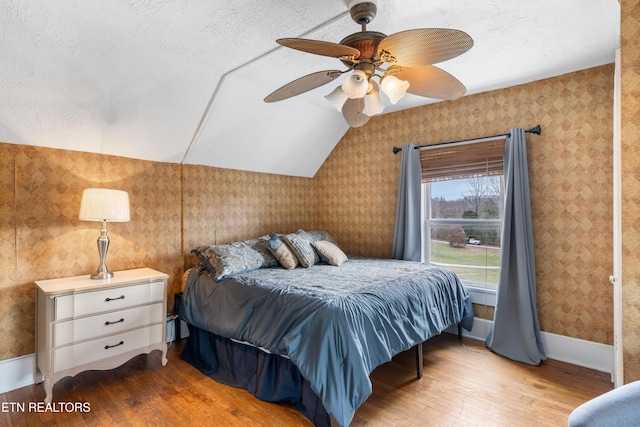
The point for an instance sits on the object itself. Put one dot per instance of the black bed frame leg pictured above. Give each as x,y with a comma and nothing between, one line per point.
459,331
419,365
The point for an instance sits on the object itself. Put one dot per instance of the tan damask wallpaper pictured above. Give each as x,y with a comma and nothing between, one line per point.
42,237
570,169
225,205
630,58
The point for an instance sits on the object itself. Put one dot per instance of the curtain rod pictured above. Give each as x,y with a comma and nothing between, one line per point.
536,129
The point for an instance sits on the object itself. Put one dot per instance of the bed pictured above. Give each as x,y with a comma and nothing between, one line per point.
313,335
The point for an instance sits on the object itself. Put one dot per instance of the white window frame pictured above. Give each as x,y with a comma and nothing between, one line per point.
485,295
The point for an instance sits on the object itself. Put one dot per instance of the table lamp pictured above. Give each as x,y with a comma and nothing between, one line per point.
106,205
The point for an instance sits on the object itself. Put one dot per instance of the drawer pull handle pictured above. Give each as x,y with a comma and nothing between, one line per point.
114,299
107,347
113,323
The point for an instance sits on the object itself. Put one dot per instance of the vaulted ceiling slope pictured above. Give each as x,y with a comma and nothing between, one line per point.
184,80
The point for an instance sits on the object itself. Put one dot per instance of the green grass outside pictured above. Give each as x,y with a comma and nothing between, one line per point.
442,252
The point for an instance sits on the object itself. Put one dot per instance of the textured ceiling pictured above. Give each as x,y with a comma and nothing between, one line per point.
183,80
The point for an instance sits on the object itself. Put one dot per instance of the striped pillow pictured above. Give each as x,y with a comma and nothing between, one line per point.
300,244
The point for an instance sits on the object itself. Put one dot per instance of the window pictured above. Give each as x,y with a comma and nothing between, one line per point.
462,212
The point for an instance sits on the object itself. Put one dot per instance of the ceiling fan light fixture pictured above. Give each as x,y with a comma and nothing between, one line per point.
372,103
355,85
394,88
337,98
399,60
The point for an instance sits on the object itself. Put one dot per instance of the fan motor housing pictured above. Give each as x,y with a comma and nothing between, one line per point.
366,42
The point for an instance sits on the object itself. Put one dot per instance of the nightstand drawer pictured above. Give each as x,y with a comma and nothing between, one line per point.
88,352
101,325
86,324
94,302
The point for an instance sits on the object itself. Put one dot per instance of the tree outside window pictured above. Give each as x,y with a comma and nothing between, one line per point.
462,227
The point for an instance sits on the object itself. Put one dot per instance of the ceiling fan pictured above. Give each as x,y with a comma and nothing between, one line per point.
402,62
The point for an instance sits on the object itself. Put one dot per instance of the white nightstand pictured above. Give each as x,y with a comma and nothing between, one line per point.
84,324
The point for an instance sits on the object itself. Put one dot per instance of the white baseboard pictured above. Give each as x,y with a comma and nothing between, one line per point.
589,354
20,371
17,372
578,352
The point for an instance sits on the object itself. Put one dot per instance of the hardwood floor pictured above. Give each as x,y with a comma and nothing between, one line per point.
464,384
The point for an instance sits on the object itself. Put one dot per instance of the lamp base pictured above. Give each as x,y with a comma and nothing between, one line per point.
103,246
101,275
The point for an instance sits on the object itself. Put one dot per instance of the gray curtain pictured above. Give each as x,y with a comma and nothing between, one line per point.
516,332
406,236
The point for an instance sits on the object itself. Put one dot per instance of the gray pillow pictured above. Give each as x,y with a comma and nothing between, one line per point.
260,245
300,244
227,259
319,235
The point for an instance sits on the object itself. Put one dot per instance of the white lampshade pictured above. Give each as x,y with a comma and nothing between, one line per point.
394,88
337,98
372,103
104,204
355,84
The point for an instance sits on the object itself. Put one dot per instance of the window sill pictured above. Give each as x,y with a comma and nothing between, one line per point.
482,296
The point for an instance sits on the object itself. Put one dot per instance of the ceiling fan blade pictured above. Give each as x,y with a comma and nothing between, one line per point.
424,46
352,110
319,47
429,81
302,85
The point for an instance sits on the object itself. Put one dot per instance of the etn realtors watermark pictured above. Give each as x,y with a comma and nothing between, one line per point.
45,407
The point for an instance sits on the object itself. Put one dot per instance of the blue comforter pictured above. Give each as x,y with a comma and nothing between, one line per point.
336,324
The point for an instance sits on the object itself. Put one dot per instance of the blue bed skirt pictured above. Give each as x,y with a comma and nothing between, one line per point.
268,377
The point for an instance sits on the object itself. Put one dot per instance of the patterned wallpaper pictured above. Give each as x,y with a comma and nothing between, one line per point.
41,236
630,58
355,190
570,167
225,205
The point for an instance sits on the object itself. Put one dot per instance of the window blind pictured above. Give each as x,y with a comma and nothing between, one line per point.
459,161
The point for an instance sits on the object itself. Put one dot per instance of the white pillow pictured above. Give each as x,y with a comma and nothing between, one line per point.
330,252
279,249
